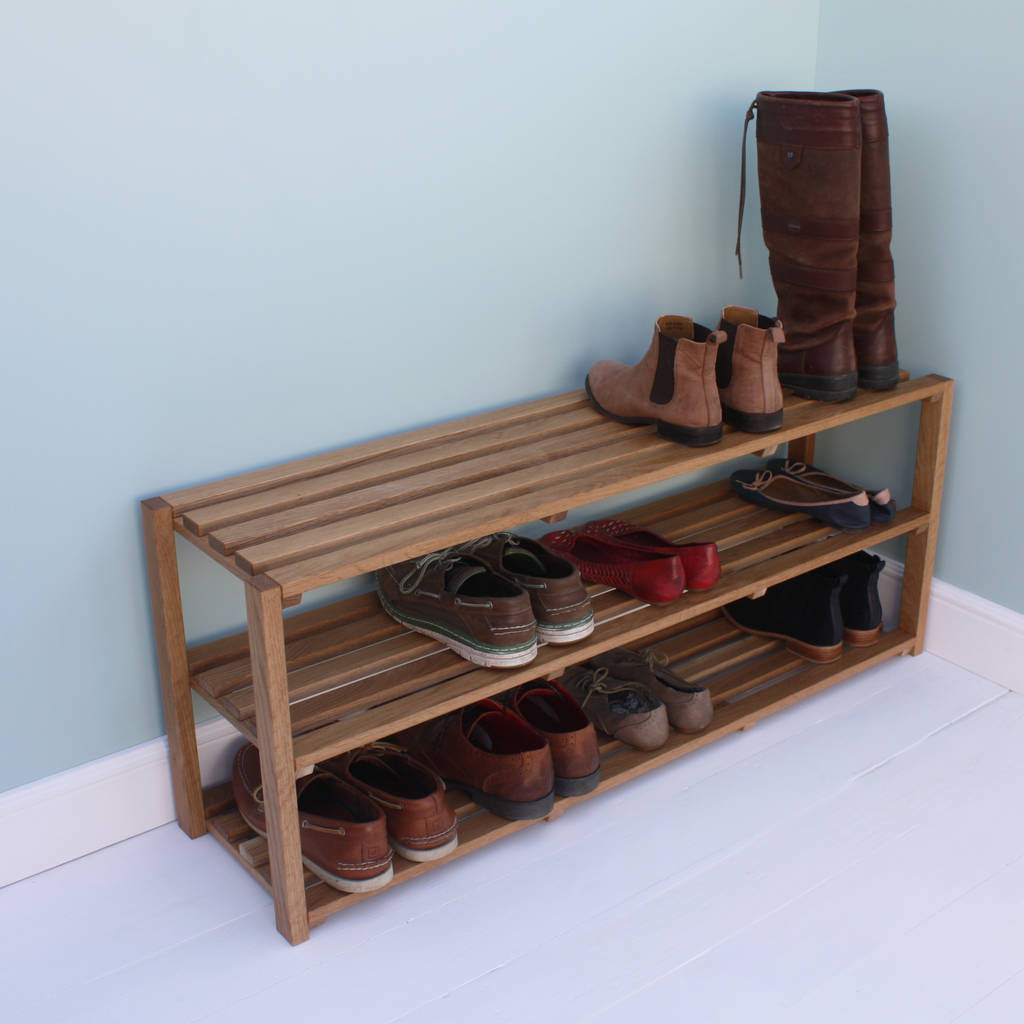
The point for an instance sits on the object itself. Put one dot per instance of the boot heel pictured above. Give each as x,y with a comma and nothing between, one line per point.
695,437
878,378
752,422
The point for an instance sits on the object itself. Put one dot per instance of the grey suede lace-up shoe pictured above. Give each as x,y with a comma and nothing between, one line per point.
624,709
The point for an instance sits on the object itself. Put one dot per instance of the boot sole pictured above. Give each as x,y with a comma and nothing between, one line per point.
878,378
821,389
578,786
752,422
694,437
862,637
511,810
802,649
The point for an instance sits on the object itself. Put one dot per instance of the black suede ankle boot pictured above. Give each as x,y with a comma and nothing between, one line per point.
803,611
859,602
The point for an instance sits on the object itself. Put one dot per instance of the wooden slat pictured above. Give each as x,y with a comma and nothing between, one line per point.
774,665
542,497
497,485
274,476
724,657
519,435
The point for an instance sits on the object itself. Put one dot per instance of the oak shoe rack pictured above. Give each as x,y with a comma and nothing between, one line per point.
324,681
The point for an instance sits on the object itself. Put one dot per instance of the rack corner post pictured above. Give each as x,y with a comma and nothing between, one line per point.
264,605
172,659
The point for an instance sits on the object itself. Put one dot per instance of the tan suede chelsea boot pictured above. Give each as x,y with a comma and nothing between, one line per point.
748,370
673,386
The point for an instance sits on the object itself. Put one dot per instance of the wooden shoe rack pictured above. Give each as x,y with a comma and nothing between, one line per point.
320,682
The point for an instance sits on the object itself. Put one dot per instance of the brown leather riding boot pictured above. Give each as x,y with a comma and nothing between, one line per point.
809,170
673,386
748,370
874,338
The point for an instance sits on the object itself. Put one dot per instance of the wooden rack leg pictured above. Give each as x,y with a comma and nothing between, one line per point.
277,759
172,658
801,449
929,475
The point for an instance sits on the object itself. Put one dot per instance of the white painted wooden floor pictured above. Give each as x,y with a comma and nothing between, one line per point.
859,857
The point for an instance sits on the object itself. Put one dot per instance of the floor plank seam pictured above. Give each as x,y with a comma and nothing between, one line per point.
935,732
991,992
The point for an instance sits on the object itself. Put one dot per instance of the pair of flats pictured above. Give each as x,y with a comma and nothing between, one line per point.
513,757
635,560
793,486
818,612
490,600
356,811
692,378
635,698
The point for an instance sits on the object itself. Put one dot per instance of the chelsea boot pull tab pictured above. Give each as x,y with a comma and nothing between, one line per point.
743,182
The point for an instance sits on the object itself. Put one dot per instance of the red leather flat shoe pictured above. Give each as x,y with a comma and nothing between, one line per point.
701,568
643,573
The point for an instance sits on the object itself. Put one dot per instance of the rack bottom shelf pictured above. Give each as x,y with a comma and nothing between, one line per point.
741,699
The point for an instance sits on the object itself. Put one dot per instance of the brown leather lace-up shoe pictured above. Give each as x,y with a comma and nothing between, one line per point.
624,709
420,823
570,734
457,599
558,597
748,370
688,704
342,832
490,753
673,386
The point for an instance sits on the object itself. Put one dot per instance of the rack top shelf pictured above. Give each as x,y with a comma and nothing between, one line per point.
318,520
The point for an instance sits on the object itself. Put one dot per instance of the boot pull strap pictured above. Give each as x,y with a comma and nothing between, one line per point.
743,181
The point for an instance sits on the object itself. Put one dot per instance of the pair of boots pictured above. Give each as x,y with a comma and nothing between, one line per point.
816,612
826,214
691,378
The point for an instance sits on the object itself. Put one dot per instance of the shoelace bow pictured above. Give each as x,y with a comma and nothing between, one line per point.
593,681
414,577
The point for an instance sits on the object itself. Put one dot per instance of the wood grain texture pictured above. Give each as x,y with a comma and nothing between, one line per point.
172,659
273,724
929,478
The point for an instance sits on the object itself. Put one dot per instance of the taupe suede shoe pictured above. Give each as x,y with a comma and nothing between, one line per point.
688,704
560,602
673,386
622,708
457,599
748,370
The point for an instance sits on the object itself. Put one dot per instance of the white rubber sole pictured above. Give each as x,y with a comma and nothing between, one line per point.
488,659
334,881
553,635
435,853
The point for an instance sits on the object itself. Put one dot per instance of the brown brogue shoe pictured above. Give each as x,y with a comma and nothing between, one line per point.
342,833
673,386
421,824
554,713
489,752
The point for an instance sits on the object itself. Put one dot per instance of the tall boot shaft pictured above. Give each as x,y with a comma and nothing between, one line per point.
809,172
874,336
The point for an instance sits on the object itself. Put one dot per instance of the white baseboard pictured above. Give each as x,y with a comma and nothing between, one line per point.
84,809
79,811
983,637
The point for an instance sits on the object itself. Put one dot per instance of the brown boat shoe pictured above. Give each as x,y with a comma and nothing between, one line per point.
342,832
557,716
457,599
421,825
561,604
623,708
688,704
489,752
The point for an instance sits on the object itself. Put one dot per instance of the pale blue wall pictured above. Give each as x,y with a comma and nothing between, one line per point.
953,80
235,233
